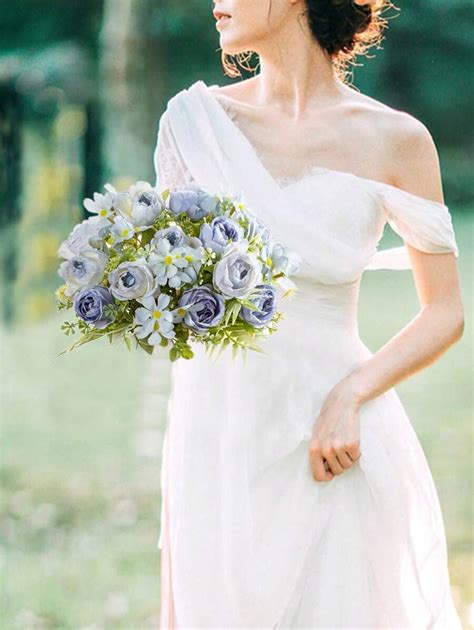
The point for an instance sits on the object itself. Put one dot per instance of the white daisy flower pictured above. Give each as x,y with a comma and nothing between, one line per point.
102,205
166,262
154,319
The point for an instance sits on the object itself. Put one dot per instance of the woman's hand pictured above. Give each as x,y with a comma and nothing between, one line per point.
335,442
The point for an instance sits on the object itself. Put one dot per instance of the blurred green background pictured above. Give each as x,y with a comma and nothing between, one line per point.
82,86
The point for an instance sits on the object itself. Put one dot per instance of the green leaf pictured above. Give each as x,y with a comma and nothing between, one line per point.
147,235
145,346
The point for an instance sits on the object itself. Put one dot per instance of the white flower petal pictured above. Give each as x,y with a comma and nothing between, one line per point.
142,315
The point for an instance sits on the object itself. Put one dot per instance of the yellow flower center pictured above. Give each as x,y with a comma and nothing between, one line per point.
157,314
125,233
168,260
103,212
188,257
181,311
269,262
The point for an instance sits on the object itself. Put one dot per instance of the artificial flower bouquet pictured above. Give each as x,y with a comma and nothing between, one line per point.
170,268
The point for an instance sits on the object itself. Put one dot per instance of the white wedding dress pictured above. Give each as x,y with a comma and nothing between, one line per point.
248,538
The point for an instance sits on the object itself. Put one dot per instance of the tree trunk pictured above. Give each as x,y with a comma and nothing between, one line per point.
132,90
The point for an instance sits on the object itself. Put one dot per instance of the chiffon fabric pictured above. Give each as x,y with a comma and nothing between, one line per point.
248,538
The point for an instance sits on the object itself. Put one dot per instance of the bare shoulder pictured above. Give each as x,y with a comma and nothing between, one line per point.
401,149
414,160
400,130
404,144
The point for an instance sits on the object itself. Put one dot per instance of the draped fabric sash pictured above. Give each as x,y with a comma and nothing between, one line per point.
222,160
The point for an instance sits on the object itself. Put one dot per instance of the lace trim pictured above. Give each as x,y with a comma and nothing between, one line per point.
170,168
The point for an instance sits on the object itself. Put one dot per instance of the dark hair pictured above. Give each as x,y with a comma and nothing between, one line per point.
346,29
342,28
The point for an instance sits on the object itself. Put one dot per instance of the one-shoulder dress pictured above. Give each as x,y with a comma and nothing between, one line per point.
248,538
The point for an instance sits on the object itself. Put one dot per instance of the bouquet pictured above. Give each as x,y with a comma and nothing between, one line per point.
171,268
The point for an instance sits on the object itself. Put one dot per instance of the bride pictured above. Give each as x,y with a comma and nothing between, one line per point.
295,491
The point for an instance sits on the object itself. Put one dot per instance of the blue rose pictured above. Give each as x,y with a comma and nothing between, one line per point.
173,234
89,305
204,308
265,301
193,200
219,233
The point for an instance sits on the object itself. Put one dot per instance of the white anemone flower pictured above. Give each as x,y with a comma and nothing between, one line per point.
154,319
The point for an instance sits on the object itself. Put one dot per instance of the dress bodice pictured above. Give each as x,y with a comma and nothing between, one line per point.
333,219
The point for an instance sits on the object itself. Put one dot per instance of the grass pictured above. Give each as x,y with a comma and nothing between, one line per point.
80,507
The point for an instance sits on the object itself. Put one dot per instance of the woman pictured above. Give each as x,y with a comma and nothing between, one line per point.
295,492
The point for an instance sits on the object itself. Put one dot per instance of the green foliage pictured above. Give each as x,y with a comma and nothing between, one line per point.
34,24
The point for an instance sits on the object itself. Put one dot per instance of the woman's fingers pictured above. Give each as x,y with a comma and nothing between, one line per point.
343,458
330,461
331,458
317,464
353,450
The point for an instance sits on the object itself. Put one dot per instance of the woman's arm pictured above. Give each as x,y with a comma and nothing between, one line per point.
437,326
440,321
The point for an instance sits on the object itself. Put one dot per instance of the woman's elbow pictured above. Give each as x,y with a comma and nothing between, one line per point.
457,322
450,318
459,325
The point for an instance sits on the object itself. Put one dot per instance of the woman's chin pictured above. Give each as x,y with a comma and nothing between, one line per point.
230,46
